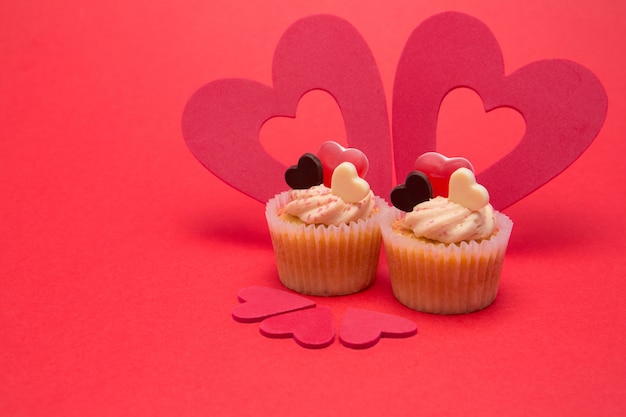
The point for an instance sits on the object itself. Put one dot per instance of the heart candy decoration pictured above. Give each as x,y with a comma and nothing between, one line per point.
347,184
311,328
438,168
331,154
258,303
362,329
222,120
416,189
465,191
563,103
306,174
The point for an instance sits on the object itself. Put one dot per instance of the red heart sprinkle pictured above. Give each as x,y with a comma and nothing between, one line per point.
311,328
259,303
331,154
362,329
438,168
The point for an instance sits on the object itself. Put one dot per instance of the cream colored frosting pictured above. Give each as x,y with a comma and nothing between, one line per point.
444,221
318,205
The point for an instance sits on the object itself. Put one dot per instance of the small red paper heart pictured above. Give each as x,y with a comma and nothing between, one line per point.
311,328
563,103
362,329
331,154
438,168
259,303
222,120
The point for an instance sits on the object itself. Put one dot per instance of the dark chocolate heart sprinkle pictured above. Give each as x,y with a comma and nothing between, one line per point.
416,189
306,174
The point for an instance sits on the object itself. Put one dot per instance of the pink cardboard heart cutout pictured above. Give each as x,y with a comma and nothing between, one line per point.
222,120
258,303
312,328
563,103
361,329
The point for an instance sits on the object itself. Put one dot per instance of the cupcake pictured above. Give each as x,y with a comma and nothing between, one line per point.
445,253
326,239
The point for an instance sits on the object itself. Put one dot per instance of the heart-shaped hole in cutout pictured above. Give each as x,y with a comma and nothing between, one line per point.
318,119
464,128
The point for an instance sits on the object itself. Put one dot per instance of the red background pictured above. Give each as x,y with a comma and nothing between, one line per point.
121,256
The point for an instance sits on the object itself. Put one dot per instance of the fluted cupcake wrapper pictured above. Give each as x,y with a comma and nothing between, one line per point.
324,260
444,278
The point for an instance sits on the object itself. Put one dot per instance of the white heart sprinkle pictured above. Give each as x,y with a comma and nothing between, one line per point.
347,184
465,191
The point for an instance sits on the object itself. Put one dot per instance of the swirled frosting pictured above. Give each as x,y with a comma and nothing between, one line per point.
317,205
444,221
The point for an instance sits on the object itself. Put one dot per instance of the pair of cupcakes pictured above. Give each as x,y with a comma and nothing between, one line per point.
445,252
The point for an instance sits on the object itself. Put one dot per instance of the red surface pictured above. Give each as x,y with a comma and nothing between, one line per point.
121,257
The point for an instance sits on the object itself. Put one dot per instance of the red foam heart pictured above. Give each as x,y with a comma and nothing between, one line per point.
331,154
259,303
438,168
563,103
362,329
312,328
222,120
